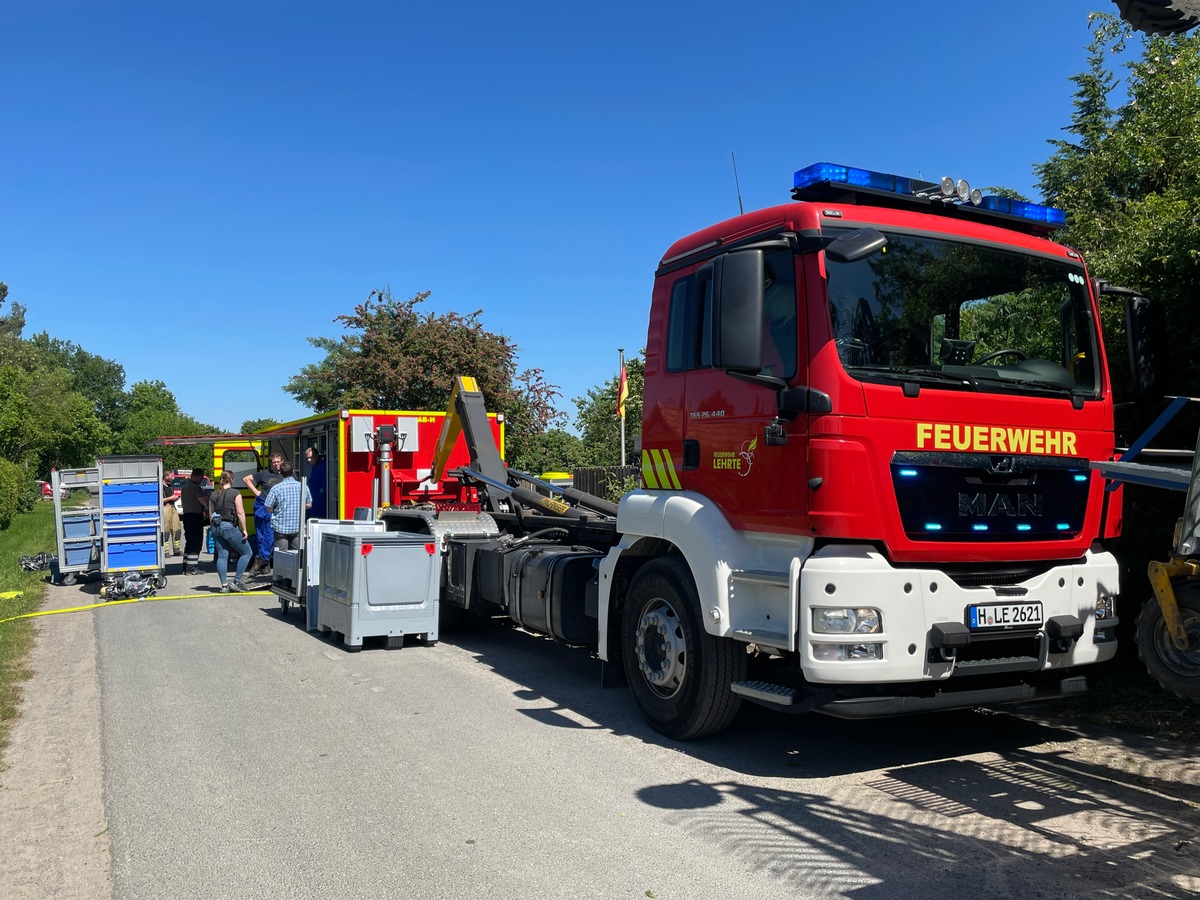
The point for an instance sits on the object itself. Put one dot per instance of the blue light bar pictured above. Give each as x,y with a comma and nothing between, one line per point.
1081,478
1063,526
932,526
819,173
908,473
1032,211
979,528
1024,527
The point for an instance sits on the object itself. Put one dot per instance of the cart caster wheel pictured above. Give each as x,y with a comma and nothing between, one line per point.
69,579
160,582
283,607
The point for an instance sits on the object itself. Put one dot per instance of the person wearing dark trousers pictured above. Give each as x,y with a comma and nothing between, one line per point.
316,482
195,505
260,483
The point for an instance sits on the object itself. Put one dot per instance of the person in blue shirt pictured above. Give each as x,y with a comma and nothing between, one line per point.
316,482
260,483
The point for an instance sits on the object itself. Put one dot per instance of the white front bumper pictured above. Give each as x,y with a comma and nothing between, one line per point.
912,600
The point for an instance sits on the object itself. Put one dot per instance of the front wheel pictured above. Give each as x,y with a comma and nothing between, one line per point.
1178,671
679,674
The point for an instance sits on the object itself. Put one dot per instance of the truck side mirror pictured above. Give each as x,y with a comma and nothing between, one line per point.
1138,320
1140,328
737,309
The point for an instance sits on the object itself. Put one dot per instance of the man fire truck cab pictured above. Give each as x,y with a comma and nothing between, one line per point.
869,416
907,511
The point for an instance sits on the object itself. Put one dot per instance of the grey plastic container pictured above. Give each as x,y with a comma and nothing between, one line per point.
130,468
383,584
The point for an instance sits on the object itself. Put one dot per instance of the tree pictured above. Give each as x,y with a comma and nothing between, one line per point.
251,426
153,412
1131,182
101,380
598,423
12,323
393,356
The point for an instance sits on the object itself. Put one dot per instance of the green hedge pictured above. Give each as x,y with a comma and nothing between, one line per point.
17,492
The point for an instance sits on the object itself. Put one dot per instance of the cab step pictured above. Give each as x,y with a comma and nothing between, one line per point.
766,692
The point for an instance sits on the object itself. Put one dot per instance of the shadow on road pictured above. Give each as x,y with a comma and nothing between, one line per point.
1120,821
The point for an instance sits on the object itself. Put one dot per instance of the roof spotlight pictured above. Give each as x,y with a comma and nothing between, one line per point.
976,197
948,186
963,190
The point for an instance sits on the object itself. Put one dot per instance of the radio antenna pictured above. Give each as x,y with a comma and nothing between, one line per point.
736,183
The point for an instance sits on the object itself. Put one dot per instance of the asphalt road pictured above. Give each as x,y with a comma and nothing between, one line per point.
244,757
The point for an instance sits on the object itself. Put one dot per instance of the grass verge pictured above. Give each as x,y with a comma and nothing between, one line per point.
30,533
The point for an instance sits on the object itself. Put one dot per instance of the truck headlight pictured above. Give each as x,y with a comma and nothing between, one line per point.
846,620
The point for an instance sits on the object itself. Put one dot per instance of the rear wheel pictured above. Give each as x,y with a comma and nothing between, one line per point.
1178,671
679,674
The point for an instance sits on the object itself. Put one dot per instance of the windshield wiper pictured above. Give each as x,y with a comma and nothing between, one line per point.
1037,386
913,376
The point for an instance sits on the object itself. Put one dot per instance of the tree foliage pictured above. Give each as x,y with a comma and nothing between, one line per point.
153,412
251,426
1130,178
44,421
100,380
394,356
598,423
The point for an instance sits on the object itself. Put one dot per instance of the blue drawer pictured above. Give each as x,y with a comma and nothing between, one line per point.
132,555
78,553
130,495
80,526
131,524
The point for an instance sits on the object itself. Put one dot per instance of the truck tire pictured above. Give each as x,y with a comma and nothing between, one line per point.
1178,671
679,674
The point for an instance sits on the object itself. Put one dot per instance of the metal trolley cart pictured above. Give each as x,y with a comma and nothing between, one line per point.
77,531
131,562
297,573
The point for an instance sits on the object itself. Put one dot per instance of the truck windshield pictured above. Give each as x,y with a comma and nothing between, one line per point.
964,316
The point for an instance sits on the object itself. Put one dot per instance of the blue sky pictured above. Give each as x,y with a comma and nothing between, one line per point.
192,189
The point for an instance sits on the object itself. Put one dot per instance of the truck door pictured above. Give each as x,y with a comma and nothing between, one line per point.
725,453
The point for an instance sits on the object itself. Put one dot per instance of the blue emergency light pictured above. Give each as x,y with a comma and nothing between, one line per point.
1035,212
948,191
879,181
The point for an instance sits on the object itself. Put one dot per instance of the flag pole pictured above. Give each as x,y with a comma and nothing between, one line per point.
621,400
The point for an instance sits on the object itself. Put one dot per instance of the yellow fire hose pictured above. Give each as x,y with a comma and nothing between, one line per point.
55,612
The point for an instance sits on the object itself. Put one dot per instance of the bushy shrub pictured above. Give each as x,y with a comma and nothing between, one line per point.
13,483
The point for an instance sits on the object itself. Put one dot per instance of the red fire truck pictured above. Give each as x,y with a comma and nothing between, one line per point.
374,458
869,417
